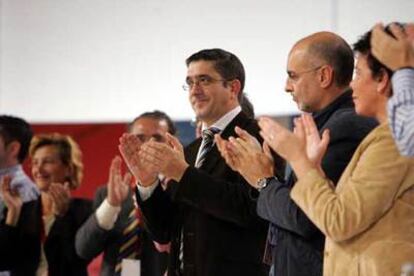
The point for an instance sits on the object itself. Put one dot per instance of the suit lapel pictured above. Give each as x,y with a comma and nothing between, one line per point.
30,217
213,156
191,151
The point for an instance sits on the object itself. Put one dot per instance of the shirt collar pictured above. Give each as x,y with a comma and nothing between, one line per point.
345,99
225,119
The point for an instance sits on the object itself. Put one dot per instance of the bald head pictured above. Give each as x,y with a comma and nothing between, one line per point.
328,48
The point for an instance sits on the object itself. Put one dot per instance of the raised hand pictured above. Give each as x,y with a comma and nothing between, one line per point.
315,144
395,52
245,155
166,158
60,194
291,146
226,152
175,144
12,200
118,185
129,148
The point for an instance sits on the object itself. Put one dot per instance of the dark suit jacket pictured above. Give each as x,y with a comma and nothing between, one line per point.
20,245
91,240
297,243
215,209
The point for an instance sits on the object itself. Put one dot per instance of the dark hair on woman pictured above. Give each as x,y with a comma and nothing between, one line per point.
363,46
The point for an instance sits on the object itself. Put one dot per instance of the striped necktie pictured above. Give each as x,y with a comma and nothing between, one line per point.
131,240
206,145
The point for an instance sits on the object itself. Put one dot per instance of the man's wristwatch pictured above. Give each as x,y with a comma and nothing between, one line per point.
263,182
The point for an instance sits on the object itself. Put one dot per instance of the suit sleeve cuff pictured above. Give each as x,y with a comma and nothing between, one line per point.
146,192
302,187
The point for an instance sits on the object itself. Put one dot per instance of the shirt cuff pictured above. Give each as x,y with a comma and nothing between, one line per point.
146,192
106,215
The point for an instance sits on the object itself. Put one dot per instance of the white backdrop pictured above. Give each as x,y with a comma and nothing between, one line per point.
108,60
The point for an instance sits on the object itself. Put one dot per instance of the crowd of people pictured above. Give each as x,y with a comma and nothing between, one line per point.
332,196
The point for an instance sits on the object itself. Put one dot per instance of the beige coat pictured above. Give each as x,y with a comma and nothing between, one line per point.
369,219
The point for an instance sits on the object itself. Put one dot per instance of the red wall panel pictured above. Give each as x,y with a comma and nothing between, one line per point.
99,144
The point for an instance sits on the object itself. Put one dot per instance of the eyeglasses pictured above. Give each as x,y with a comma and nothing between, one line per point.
202,81
294,76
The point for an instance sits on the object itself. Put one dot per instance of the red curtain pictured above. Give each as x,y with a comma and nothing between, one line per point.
99,144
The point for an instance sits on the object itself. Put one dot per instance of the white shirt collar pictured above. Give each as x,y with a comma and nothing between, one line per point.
225,119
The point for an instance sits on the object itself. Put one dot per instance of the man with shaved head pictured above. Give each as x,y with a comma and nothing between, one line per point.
319,71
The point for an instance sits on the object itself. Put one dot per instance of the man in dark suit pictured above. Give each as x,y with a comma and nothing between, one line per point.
319,71
103,231
208,210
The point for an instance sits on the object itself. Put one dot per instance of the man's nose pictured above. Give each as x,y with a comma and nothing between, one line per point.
288,86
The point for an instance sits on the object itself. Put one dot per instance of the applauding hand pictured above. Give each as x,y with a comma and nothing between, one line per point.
118,185
12,200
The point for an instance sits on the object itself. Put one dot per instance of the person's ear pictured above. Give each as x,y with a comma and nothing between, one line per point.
326,76
235,86
383,83
13,149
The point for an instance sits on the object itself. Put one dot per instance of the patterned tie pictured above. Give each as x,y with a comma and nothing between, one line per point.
131,242
206,145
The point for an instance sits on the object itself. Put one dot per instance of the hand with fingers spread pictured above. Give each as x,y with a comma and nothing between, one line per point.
315,144
60,195
12,200
226,152
166,158
245,155
290,145
398,52
118,185
129,148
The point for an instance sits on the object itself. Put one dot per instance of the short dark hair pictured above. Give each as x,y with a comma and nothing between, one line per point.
225,63
338,54
16,129
156,115
363,46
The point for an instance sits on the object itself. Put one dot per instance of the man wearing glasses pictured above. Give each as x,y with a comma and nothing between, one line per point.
319,71
208,210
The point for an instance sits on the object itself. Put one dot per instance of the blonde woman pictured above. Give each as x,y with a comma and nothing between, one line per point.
37,237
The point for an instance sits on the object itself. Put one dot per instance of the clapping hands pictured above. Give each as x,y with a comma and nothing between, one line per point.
245,155
303,148
12,200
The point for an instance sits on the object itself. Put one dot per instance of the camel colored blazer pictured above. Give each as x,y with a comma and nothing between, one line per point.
369,219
